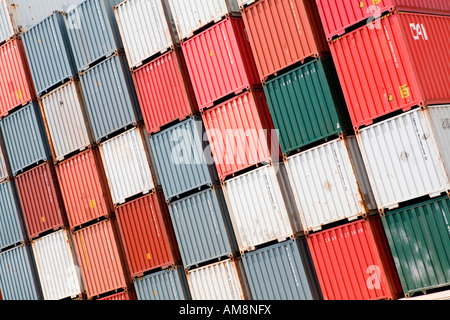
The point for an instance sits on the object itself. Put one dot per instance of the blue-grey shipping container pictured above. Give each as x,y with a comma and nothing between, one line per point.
19,279
203,227
49,53
110,97
93,32
284,271
25,138
163,285
12,228
183,159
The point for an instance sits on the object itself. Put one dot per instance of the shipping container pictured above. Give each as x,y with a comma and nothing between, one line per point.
419,238
262,207
93,32
203,228
25,138
6,26
145,29
282,272
283,33
338,17
393,64
307,105
4,164
110,97
84,188
19,279
58,269
127,165
353,262
182,159
441,295
16,85
220,62
192,16
123,296
241,133
41,200
225,280
164,91
330,184
147,235
101,258
66,120
49,53
167,285
408,156
12,228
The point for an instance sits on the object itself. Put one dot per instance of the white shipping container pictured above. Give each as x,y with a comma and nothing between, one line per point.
3,166
243,3
330,184
127,165
262,208
57,266
408,156
6,27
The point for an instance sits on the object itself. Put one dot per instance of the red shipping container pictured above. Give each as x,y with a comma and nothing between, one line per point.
394,64
147,234
339,15
220,62
41,201
84,188
240,132
164,91
283,33
353,262
123,296
101,259
16,84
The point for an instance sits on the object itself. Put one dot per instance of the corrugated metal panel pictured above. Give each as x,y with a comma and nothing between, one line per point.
403,159
4,165
110,97
240,133
328,185
307,105
144,28
282,272
203,227
25,138
439,119
49,53
84,188
181,159
123,296
18,276
16,87
41,200
282,33
191,16
12,229
220,62
419,238
164,91
67,125
93,31
57,266
147,235
127,165
164,285
6,27
353,262
262,207
219,281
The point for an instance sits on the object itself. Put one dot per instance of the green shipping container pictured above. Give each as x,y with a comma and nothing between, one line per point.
307,105
419,238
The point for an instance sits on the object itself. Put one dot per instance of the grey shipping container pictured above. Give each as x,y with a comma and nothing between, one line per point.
203,227
182,159
12,228
25,138
49,53
19,279
110,97
93,32
163,285
282,272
